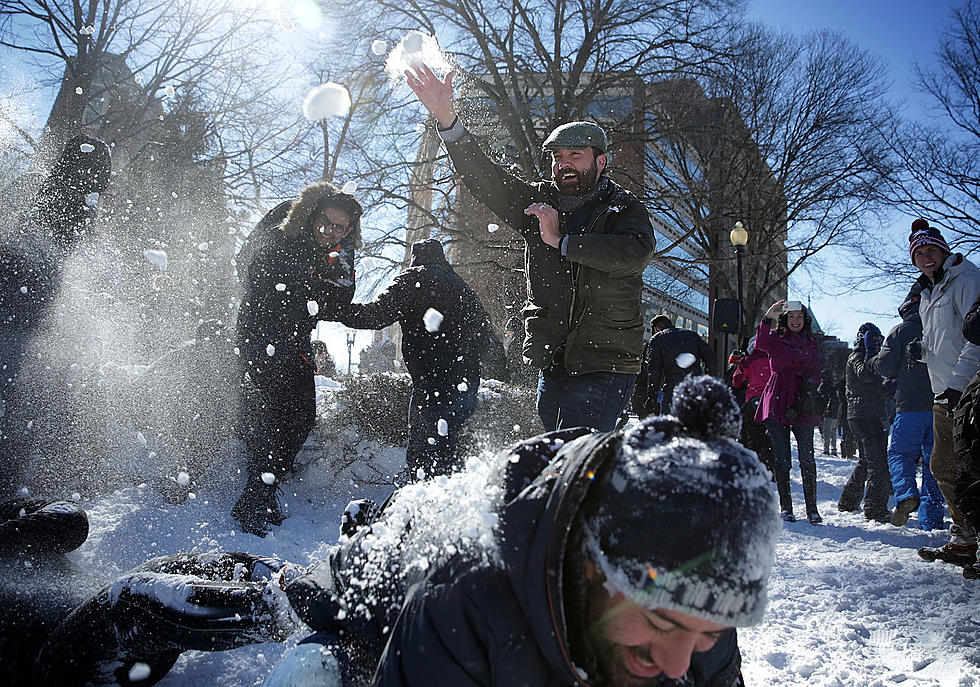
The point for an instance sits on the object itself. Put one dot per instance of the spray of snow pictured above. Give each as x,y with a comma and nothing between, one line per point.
414,49
326,100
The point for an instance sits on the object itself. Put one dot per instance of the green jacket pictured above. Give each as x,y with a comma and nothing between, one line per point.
587,301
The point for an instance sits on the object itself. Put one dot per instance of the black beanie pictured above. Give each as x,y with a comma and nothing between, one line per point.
683,517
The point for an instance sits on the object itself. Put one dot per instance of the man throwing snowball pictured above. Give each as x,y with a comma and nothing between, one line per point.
587,242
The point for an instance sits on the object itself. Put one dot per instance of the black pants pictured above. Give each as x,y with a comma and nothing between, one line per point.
870,479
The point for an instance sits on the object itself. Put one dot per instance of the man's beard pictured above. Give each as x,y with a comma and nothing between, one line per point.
582,183
613,674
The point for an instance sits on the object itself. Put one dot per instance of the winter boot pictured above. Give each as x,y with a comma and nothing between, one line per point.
903,510
257,509
785,496
810,498
961,549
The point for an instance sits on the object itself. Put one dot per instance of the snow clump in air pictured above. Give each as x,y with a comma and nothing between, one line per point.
326,100
685,360
86,148
379,47
349,187
433,320
156,257
415,49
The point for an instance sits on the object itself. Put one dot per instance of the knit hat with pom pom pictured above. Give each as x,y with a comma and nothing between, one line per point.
681,516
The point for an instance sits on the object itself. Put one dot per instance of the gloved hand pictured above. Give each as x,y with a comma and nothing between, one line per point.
872,344
914,350
948,398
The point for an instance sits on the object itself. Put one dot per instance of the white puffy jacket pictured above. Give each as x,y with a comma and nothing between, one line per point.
950,358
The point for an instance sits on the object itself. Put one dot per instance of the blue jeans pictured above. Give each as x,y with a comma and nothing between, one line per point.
314,662
912,437
431,442
595,399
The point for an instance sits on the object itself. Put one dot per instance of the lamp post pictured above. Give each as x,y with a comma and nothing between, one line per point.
351,333
739,238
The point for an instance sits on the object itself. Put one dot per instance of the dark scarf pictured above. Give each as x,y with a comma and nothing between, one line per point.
570,204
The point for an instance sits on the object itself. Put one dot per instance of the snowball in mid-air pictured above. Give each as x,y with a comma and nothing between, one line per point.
139,672
379,47
268,478
492,227
78,90
414,49
270,350
442,427
685,360
183,479
326,100
349,187
169,91
433,320
312,307
156,257
86,148
280,287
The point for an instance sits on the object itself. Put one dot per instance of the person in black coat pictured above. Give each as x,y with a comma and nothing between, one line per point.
445,330
613,563
911,429
866,417
32,257
297,260
670,355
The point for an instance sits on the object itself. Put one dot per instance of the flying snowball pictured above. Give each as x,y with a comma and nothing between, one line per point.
326,100
431,440
139,672
86,148
349,187
414,49
268,478
433,320
280,287
379,47
462,386
442,427
156,257
492,227
169,91
685,360
312,307
183,479
23,289
92,199
270,350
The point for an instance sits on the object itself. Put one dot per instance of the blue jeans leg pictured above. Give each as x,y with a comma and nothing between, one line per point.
594,400
903,452
311,663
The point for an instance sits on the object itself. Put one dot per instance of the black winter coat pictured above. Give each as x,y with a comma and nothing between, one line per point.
472,623
281,276
971,324
913,391
864,387
450,354
660,370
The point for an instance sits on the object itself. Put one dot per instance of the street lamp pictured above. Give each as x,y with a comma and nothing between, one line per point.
739,238
351,333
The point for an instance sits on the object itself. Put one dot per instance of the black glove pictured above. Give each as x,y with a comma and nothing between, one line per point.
914,349
948,398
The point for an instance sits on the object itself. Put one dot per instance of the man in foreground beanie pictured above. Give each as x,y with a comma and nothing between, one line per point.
950,285
603,559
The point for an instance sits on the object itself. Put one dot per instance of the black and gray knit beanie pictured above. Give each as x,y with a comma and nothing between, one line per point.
682,517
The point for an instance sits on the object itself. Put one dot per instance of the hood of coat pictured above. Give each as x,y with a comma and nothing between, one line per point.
428,252
312,200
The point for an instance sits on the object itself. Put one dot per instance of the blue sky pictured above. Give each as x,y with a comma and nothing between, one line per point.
900,32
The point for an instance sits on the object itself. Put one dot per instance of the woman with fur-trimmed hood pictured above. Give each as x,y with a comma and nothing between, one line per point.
301,252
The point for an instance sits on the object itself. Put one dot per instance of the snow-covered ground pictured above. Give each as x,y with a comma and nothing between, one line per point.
851,603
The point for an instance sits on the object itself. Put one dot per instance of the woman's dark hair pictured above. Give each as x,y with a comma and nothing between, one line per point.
783,324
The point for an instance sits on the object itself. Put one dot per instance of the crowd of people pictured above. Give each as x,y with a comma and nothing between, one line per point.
613,558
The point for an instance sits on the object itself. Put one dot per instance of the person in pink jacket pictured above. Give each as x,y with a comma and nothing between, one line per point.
751,375
789,401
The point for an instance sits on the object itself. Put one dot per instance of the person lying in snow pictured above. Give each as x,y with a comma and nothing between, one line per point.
572,558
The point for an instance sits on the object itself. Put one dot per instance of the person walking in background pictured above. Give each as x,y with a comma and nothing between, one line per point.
950,285
749,380
445,331
670,355
911,431
831,412
789,402
867,417
587,243
301,252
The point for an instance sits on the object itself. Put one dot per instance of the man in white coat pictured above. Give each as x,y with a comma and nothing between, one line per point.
951,284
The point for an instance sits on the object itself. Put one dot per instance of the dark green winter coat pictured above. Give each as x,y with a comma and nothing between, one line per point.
587,301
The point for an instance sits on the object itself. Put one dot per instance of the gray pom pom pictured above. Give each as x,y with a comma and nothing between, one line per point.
705,407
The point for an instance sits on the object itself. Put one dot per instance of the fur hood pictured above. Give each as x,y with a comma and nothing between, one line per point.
312,200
